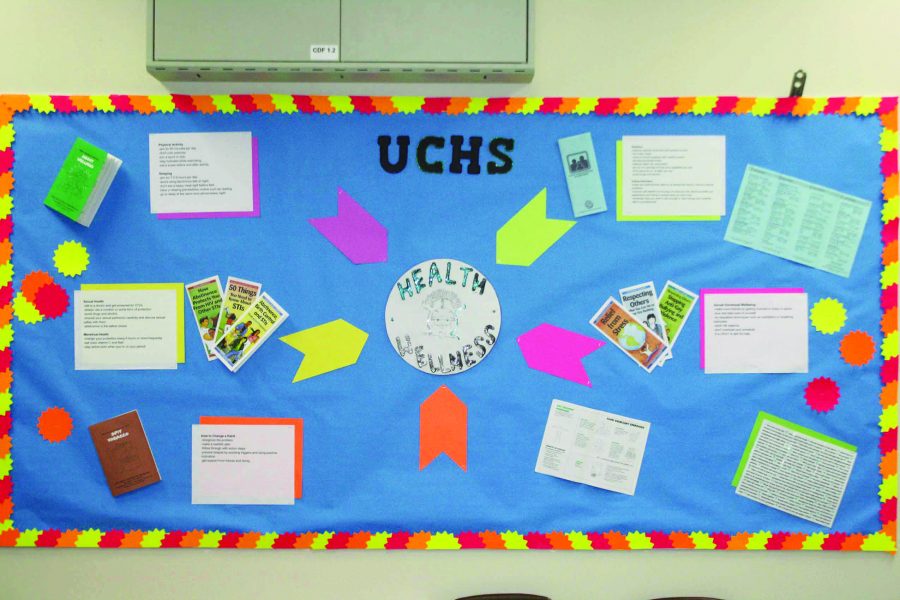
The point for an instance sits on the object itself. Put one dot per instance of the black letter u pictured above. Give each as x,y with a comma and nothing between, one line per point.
384,146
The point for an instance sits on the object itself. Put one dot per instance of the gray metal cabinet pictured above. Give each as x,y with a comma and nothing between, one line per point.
417,40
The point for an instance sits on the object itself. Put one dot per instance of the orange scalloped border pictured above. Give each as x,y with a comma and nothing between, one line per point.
884,109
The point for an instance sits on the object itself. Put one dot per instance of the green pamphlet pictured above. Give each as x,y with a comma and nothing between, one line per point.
206,304
253,327
82,182
675,306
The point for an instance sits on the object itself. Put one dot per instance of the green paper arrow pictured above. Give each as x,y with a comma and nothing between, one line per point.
529,233
326,347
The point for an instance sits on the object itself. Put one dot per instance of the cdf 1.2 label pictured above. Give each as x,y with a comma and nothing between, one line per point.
324,52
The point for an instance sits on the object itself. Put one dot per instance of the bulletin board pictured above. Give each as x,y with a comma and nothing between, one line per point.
362,485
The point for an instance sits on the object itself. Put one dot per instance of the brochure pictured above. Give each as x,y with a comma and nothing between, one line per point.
205,297
593,447
239,294
675,306
641,301
251,329
629,335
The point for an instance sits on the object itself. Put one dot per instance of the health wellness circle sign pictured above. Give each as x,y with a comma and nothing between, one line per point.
442,316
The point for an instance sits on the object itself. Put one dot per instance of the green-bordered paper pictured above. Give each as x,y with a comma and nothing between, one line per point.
621,217
764,416
179,303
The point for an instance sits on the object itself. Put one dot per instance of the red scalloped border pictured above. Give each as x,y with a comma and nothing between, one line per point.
884,109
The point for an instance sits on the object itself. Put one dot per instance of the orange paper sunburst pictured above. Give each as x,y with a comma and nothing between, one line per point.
55,424
33,282
857,348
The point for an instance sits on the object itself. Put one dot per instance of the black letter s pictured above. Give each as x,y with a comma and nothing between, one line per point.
506,164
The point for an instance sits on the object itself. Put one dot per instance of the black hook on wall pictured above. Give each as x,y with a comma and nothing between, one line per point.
798,83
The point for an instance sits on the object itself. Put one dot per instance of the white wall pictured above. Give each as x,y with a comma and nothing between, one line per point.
584,48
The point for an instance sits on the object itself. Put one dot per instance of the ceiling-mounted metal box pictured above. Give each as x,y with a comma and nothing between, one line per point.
333,40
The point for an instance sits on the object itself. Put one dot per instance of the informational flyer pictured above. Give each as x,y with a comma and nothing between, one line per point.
757,330
252,328
239,294
671,178
126,329
201,172
592,446
629,335
242,464
798,220
675,306
296,424
206,304
641,301
179,304
795,469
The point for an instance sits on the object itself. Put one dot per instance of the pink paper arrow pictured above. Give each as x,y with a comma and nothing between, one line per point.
354,232
558,351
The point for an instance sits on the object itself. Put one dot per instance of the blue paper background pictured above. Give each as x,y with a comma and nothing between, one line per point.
361,424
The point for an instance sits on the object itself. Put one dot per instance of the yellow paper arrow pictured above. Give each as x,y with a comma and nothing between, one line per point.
529,233
326,347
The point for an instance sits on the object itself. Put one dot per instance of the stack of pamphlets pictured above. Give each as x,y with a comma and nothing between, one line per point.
644,326
82,182
233,322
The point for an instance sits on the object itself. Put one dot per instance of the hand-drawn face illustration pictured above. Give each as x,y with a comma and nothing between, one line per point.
442,312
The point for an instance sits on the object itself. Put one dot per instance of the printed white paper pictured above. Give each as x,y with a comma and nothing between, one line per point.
592,446
800,474
242,464
754,332
126,329
673,176
201,172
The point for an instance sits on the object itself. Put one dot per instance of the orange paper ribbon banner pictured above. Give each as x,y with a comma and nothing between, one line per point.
443,422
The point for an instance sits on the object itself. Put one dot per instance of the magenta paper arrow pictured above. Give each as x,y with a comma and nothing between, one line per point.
558,351
354,232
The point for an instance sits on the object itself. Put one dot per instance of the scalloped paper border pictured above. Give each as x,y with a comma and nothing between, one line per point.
884,109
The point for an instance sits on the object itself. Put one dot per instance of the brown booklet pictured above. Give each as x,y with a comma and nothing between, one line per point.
124,453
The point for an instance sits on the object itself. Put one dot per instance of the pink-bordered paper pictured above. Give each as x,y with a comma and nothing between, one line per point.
720,291
254,158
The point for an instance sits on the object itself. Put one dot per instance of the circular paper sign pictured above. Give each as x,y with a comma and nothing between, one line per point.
442,316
